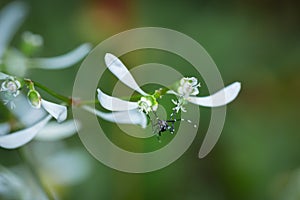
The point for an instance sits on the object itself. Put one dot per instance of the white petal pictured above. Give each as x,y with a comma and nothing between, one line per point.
3,76
4,128
122,117
121,72
11,185
25,113
172,92
54,131
115,104
59,112
69,166
11,16
19,138
62,61
220,98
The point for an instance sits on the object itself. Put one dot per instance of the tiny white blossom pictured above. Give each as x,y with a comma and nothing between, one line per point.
146,105
10,90
11,85
188,86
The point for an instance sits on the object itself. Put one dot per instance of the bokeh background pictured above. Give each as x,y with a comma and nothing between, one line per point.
255,42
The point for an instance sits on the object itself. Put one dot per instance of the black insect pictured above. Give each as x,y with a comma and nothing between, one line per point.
159,126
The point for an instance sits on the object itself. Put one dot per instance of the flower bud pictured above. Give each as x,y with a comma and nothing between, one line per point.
34,98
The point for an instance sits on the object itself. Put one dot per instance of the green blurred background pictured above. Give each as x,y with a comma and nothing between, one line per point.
255,42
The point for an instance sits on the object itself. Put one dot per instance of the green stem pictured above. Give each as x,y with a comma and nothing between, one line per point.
23,155
157,94
65,99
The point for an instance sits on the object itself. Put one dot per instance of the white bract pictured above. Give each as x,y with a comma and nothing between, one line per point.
189,88
20,138
133,111
121,117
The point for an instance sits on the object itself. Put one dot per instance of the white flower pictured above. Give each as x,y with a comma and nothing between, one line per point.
147,103
54,131
188,89
121,117
20,138
31,39
11,85
188,86
220,98
11,17
9,89
58,166
16,62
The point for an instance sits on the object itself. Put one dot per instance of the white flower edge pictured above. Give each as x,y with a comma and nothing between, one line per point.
121,72
54,131
12,186
220,98
4,128
59,112
115,104
11,16
25,113
66,167
122,117
3,76
63,61
19,138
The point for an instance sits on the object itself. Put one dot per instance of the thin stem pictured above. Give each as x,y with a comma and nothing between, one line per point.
34,172
54,94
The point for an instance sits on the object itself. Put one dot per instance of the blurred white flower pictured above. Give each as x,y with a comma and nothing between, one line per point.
14,61
32,39
54,131
18,185
20,138
11,17
61,165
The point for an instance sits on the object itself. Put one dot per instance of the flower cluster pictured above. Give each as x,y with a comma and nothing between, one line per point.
185,91
32,111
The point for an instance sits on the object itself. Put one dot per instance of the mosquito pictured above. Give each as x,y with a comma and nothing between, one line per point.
159,126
